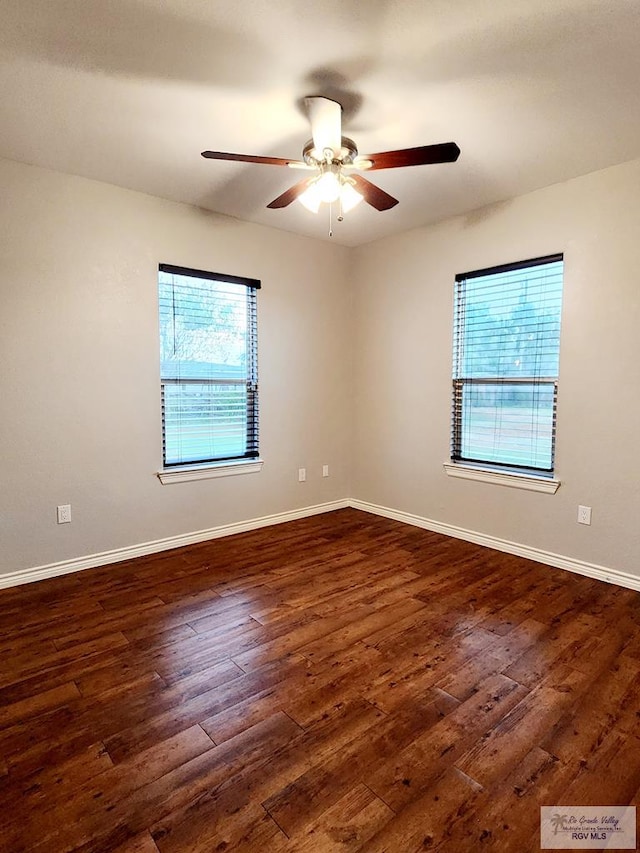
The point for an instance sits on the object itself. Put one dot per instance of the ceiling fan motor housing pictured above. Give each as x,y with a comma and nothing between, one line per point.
345,156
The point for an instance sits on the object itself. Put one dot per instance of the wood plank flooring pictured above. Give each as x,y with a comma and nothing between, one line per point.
338,683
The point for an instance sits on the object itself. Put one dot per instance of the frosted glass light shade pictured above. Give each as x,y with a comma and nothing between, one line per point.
349,197
310,198
328,187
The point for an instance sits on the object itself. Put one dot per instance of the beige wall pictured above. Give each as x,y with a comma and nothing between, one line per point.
403,315
79,380
355,367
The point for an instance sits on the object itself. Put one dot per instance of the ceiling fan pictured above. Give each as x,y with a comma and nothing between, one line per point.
334,161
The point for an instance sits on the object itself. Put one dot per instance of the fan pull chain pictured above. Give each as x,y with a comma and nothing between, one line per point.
330,219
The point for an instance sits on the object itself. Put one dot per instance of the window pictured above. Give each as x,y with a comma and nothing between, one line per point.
208,366
505,366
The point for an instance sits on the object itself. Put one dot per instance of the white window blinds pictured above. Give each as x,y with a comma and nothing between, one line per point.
505,365
208,364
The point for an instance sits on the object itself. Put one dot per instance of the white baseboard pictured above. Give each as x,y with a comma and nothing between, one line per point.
590,570
118,555
78,564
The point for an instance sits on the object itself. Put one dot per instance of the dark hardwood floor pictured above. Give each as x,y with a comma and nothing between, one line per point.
338,683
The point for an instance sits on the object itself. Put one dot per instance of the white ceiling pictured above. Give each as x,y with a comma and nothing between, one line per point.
131,91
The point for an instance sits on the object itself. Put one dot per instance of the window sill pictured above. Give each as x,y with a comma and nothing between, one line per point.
209,470
499,478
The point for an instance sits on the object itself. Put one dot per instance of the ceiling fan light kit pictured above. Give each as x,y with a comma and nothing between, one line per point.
329,186
333,157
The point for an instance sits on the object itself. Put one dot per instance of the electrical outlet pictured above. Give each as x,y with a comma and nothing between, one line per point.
302,475
64,514
584,515
325,470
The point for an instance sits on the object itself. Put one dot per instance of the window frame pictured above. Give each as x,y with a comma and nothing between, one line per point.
215,466
467,467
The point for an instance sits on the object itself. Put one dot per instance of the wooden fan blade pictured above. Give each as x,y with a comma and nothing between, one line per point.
325,116
248,158
289,195
444,152
372,194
